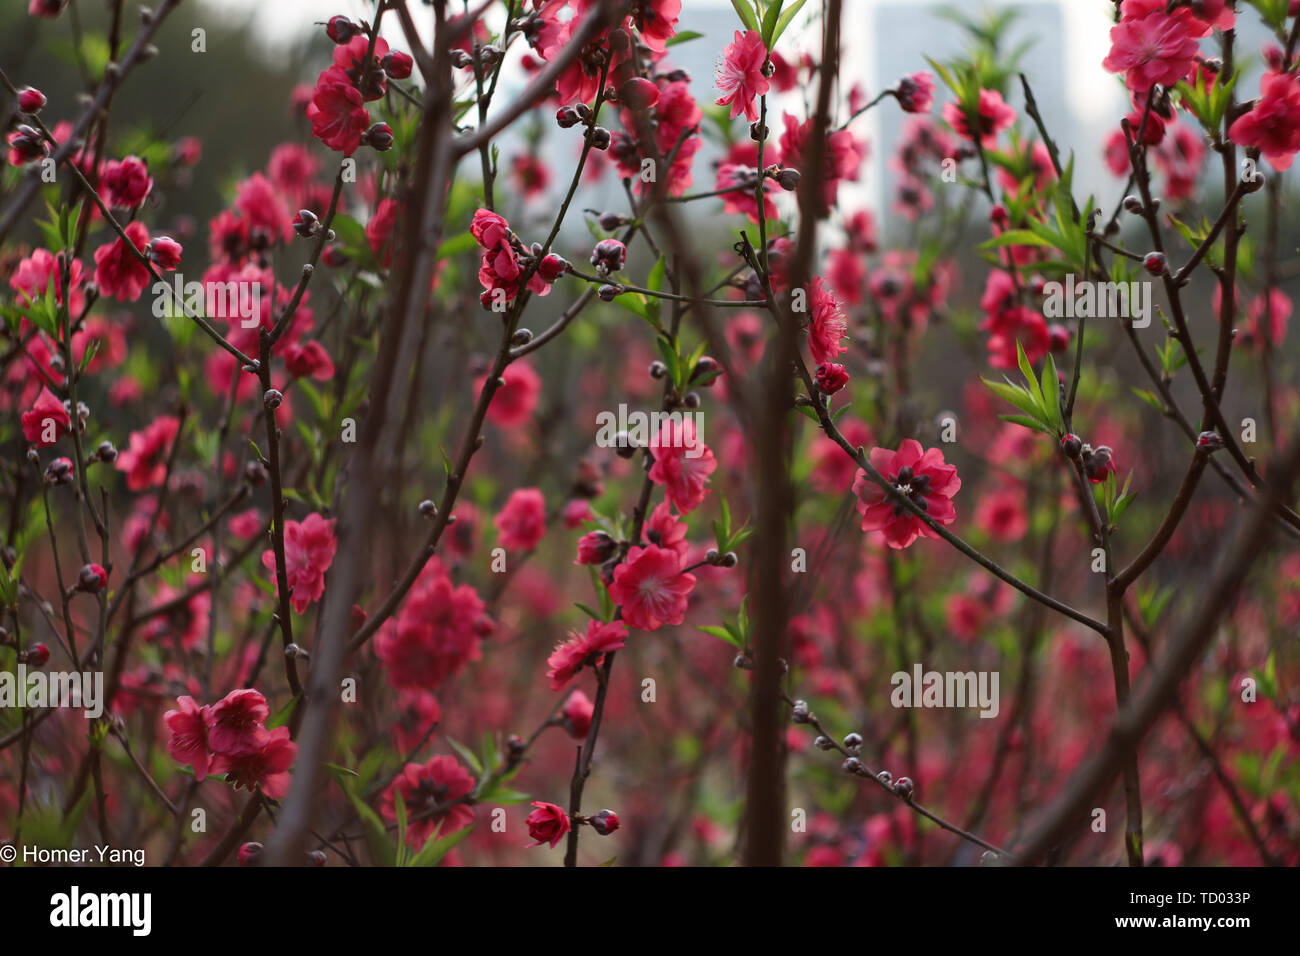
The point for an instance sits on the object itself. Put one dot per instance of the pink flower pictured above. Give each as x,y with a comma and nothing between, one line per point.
266,769
682,463
435,634
117,271
308,552
125,184
547,824
1273,123
235,723
1267,318
920,475
656,22
1154,49
337,115
522,522
263,207
379,231
513,402
188,742
33,276
531,176
1001,514
827,325
915,93
576,511
993,115
47,417
569,656
741,200
308,360
145,460
740,76
663,529
652,588
438,782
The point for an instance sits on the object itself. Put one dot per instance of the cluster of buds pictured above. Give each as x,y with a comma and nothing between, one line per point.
59,471
1097,462
728,560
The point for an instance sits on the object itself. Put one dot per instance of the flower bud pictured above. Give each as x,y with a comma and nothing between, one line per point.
1071,446
852,765
255,473
1133,204
904,788
566,117
106,452
552,267
249,853
608,292
638,93
823,743
165,251
92,579
379,137
397,64
600,138
306,223
788,179
758,132
608,256
428,509
316,858
38,655
30,99
852,742
604,823
340,29
1154,263
658,369
831,377
59,471
886,778
800,712
272,398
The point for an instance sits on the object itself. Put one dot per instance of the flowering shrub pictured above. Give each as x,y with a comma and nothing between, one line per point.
317,486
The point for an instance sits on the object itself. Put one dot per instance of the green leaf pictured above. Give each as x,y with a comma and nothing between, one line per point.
685,36
457,245
467,755
769,21
1027,422
376,834
435,848
1015,237
594,615
784,22
745,11
281,717
721,633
